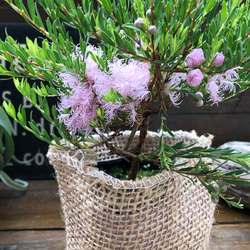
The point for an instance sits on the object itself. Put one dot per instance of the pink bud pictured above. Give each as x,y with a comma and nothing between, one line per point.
215,201
218,61
199,103
216,186
149,13
199,94
152,29
139,22
195,58
194,77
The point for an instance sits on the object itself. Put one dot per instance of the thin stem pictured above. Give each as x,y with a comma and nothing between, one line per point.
107,139
187,14
139,146
192,24
210,175
22,13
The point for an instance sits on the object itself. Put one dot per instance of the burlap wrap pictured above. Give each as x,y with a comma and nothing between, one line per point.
164,212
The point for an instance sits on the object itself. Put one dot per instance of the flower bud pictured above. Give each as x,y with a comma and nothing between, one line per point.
215,198
215,201
216,186
194,77
218,61
195,58
199,103
152,29
139,23
149,13
199,94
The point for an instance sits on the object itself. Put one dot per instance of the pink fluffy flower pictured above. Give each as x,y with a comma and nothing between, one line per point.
130,80
194,77
195,58
76,110
220,83
218,61
214,89
78,107
228,79
175,82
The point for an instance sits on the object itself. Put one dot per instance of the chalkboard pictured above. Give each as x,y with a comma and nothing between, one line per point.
27,146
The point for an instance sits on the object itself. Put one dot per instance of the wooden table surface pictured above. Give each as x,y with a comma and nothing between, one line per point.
32,220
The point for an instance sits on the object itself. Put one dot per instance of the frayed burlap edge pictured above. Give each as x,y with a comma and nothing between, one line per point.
84,160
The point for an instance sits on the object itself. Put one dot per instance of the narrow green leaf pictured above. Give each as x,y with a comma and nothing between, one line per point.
107,38
31,6
107,5
34,127
119,41
56,139
224,11
131,26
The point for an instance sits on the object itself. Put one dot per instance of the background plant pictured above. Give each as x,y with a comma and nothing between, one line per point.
150,55
7,149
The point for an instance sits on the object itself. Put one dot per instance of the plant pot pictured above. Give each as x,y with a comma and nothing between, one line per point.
166,211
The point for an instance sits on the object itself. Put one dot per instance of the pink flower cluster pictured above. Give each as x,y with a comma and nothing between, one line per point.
214,86
78,108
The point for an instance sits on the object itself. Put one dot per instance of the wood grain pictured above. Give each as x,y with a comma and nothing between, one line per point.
38,208
27,240
230,237
223,237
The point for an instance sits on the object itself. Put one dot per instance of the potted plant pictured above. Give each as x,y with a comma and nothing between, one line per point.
7,148
149,56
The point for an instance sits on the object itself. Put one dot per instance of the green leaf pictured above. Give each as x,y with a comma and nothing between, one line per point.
5,122
210,4
31,6
16,184
224,11
107,38
118,15
100,19
131,26
9,147
107,5
237,181
56,139
34,127
21,119
119,41
10,109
